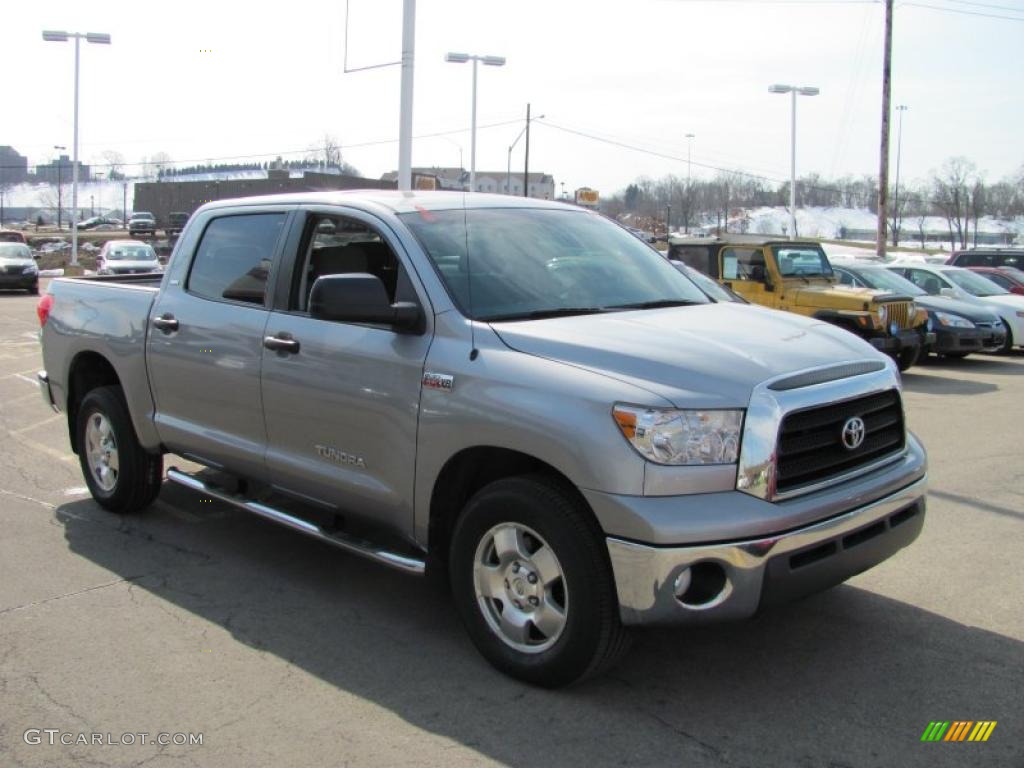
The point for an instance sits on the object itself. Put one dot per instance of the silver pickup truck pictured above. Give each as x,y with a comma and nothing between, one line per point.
520,395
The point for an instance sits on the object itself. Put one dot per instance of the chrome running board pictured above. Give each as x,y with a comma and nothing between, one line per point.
341,540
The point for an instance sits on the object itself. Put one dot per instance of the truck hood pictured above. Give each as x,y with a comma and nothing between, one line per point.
834,296
710,355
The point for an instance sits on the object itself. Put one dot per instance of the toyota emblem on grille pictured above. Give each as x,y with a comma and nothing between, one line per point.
853,433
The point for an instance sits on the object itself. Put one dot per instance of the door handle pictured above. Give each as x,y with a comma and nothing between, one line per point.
166,323
281,343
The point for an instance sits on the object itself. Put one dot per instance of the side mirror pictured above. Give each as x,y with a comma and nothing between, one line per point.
360,298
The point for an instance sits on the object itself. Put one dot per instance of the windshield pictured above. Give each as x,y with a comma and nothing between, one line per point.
882,279
131,253
523,263
805,261
14,251
974,283
711,287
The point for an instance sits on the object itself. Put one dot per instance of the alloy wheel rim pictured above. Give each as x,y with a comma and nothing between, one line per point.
520,587
101,451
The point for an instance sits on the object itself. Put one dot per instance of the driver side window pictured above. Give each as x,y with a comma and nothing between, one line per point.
335,245
743,264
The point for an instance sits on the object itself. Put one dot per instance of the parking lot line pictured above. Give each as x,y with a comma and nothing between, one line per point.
38,424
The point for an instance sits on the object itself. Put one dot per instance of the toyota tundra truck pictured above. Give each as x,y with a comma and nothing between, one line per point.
796,276
517,395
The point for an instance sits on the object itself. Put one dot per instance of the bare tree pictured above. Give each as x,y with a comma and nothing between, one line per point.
115,162
951,196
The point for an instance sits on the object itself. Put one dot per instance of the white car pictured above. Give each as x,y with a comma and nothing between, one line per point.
963,284
127,257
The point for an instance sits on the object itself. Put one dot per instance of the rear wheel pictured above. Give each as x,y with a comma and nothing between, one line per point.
533,585
121,475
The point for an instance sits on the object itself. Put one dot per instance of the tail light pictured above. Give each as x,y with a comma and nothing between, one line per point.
43,308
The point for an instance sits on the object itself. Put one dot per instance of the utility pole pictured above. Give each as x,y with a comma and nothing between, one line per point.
405,111
896,192
883,166
526,166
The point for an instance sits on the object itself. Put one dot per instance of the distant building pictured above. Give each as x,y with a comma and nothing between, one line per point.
13,166
60,171
541,185
163,197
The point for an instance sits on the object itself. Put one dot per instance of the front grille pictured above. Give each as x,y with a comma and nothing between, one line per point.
899,313
811,448
13,270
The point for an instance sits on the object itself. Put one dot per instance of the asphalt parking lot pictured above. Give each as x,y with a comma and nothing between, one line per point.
281,651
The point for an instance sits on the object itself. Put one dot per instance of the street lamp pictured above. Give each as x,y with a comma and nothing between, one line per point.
689,147
896,195
100,38
802,91
59,180
489,61
508,167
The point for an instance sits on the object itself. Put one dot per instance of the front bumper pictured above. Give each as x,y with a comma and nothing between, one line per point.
908,339
733,580
968,339
22,280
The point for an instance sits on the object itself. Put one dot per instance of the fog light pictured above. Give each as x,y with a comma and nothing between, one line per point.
702,585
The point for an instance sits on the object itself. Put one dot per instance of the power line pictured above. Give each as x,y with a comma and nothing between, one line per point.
962,12
307,151
987,5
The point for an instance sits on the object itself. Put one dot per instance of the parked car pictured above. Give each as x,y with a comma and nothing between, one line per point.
127,257
796,276
960,283
175,223
18,268
988,257
101,222
1010,278
516,392
141,223
12,236
960,327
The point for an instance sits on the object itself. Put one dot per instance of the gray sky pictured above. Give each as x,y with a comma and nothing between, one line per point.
212,80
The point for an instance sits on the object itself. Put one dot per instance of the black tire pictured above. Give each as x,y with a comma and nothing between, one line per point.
592,638
139,473
34,290
1008,344
956,355
907,358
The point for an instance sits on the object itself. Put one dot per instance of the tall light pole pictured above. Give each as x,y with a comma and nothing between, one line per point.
59,180
689,147
102,38
508,168
405,98
489,61
896,193
793,90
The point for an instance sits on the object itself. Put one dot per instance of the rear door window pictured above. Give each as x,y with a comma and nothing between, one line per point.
235,257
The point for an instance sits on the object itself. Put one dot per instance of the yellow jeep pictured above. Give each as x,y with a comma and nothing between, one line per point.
796,276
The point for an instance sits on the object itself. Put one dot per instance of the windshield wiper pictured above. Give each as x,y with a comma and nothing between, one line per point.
540,314
657,304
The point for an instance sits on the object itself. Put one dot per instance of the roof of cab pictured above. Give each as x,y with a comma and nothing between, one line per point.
393,200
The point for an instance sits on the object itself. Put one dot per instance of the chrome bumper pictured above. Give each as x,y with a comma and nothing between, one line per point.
733,580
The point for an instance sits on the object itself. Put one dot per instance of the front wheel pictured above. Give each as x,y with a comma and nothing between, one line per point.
907,358
533,585
122,476
1008,344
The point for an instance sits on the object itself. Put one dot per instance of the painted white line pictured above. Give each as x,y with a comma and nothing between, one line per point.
78,490
30,427
19,373
33,382
21,496
53,454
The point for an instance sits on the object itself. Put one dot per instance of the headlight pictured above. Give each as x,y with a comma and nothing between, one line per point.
953,321
669,436
31,269
883,314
